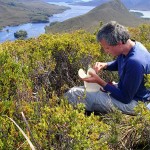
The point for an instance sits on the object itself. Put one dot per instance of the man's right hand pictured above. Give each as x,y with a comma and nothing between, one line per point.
99,66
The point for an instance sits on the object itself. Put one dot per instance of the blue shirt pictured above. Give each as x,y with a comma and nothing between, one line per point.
131,69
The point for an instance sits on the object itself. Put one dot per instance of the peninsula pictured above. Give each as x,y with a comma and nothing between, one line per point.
22,11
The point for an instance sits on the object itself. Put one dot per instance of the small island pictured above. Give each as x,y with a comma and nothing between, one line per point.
21,34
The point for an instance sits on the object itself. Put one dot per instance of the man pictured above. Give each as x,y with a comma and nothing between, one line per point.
132,64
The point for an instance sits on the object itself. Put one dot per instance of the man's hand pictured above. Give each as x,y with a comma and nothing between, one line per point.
95,79
99,66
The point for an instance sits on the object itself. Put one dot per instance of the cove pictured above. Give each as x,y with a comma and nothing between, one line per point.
36,29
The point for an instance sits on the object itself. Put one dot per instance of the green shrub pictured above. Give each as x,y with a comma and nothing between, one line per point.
35,73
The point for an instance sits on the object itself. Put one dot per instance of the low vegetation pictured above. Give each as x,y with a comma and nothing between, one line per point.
34,75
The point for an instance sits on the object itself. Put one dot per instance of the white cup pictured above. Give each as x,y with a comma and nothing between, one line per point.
90,87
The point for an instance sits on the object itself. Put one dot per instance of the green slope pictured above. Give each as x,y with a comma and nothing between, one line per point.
14,12
113,10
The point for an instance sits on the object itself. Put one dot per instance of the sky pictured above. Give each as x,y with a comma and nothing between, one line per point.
86,0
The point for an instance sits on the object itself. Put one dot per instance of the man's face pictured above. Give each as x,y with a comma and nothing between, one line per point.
112,50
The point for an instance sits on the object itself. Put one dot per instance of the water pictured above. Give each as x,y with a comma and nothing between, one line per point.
146,14
35,29
70,13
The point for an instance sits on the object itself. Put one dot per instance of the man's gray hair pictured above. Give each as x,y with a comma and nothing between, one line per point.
113,33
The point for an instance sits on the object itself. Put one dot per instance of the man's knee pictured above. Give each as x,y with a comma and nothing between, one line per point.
74,94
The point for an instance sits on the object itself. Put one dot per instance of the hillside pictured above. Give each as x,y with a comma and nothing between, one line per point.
21,11
130,4
113,10
92,3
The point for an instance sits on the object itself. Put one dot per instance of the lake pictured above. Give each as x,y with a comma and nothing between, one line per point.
35,29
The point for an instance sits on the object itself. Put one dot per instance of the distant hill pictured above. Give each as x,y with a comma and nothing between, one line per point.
142,5
66,1
22,11
92,3
137,4
130,4
113,10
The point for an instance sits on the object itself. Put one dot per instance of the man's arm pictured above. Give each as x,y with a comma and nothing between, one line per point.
112,66
130,83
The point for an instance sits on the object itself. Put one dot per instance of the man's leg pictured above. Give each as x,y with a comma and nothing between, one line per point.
98,101
94,101
125,108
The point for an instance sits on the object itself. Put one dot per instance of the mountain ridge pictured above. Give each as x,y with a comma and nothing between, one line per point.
142,6
130,4
102,13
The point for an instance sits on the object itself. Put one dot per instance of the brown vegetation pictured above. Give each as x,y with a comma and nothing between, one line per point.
17,12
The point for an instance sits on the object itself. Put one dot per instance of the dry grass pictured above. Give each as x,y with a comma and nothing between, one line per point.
26,137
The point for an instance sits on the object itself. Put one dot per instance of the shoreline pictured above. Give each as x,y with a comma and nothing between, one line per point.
36,29
47,11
